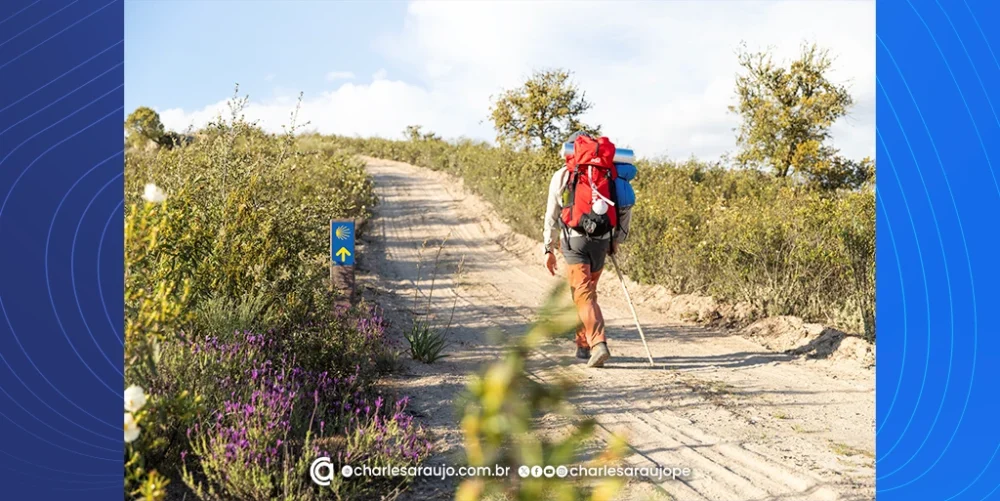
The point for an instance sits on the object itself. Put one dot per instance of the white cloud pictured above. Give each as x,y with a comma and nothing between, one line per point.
660,74
351,109
339,75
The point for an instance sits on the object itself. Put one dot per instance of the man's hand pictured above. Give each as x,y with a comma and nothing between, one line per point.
613,248
550,262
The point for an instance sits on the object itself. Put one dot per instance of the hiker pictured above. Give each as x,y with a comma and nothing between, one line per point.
581,213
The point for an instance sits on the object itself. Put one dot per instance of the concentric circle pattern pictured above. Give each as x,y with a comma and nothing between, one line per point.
61,269
937,259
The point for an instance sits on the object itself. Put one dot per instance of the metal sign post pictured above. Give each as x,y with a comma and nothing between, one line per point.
342,255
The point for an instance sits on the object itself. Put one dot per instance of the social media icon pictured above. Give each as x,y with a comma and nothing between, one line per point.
347,471
524,471
536,471
562,471
549,471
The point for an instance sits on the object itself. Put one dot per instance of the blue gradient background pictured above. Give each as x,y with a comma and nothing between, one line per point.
61,270
938,135
938,154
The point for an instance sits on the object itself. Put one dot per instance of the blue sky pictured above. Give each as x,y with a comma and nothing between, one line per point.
660,74
186,54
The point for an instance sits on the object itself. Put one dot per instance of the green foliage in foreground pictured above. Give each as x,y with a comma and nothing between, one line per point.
736,234
499,417
230,330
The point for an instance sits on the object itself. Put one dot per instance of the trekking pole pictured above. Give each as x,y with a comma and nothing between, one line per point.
635,315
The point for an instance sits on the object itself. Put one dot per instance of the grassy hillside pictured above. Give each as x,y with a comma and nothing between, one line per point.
736,234
248,372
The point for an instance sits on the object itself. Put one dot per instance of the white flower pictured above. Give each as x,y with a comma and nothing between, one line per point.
135,398
131,428
153,194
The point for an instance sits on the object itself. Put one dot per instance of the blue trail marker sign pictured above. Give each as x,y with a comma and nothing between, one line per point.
342,243
342,257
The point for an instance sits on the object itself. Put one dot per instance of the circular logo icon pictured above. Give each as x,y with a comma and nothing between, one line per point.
562,471
347,471
524,471
536,471
549,471
321,470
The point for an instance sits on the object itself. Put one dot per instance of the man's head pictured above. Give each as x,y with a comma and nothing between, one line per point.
572,137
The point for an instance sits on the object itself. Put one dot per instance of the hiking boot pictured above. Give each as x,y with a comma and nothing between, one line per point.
599,355
582,353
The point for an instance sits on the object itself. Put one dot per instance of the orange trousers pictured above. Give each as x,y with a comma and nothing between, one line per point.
583,285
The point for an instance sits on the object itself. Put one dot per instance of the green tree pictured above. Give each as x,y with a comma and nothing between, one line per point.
144,125
416,133
541,112
786,118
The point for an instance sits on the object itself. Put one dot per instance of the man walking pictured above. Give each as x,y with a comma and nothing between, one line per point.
583,219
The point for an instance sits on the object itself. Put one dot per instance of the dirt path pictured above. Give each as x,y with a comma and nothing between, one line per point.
750,423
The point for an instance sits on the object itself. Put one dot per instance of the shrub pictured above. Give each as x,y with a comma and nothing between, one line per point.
737,234
276,413
426,344
229,326
248,214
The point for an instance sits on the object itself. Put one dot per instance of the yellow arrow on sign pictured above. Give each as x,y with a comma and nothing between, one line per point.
343,253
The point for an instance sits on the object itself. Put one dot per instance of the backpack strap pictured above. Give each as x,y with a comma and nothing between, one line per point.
613,191
565,233
570,186
574,177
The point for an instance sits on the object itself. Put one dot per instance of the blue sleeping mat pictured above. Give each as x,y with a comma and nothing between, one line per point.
626,195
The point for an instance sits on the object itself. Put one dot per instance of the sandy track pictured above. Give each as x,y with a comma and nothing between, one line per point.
751,424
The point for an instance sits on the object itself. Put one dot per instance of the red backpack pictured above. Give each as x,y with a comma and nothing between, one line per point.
590,182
